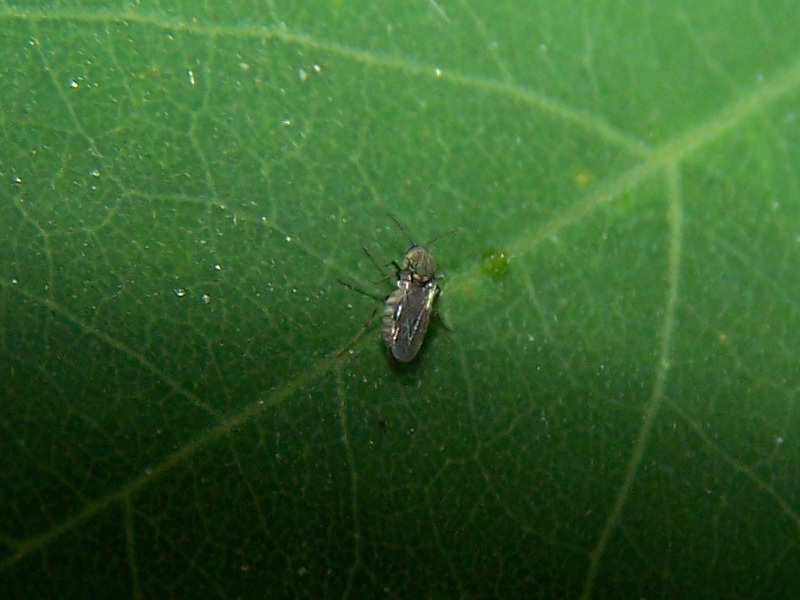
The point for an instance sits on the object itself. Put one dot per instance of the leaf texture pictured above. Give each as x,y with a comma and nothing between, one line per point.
192,405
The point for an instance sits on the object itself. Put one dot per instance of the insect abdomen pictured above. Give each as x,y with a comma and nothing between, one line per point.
406,316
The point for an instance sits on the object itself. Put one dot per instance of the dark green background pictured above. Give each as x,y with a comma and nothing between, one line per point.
183,183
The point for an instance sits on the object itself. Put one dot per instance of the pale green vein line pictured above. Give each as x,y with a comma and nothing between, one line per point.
230,424
470,394
544,320
737,466
663,157
490,45
776,285
93,331
705,55
656,400
59,90
439,10
242,214
130,546
477,458
48,254
434,518
354,506
580,118
194,130
680,147
602,196
777,85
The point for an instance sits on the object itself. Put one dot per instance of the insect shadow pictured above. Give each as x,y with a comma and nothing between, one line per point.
408,309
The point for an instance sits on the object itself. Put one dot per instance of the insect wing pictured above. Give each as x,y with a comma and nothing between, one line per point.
406,318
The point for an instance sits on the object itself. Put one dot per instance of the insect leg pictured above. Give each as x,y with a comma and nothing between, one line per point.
379,266
437,313
360,291
361,333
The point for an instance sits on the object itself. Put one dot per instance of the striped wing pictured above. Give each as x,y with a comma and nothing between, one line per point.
406,317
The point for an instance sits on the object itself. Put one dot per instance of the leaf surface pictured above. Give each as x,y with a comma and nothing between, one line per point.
192,405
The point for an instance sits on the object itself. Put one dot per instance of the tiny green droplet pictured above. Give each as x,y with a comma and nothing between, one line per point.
494,263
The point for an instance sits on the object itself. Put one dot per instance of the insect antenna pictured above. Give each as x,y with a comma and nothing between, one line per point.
441,235
413,243
403,229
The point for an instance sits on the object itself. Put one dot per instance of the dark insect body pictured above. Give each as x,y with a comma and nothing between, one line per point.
407,310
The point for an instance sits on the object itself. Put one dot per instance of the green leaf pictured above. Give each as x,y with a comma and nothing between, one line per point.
191,405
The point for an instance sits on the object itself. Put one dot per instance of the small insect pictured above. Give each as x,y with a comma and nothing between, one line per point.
407,310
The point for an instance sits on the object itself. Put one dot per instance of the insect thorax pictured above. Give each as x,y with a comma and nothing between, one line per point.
419,265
